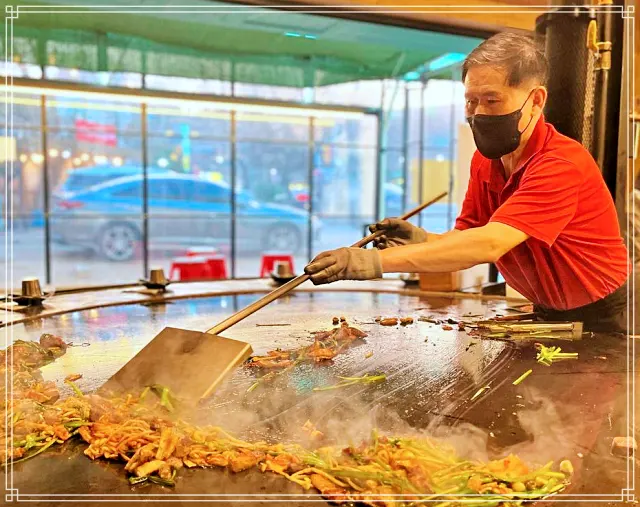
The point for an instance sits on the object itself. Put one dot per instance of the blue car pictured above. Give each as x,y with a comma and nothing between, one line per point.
85,177
183,211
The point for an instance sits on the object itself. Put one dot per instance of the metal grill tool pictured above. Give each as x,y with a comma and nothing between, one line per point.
192,363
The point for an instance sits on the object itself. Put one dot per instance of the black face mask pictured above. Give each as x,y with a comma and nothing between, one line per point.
497,135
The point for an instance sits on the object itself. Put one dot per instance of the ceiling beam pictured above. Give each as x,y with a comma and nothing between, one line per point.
474,18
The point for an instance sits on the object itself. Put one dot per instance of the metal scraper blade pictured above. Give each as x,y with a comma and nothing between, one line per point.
190,363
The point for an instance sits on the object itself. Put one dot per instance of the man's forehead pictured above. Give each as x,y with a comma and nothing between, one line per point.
485,90
485,78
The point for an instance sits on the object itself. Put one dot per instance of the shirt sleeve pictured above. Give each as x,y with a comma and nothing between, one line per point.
469,217
545,201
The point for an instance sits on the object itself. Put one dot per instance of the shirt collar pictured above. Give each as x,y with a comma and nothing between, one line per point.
494,176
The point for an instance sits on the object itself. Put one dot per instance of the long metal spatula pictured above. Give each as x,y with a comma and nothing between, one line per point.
191,363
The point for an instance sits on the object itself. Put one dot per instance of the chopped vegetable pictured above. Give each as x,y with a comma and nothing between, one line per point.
75,388
547,355
479,392
349,381
566,467
522,377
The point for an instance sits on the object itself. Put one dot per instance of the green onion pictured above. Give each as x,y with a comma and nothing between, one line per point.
522,377
161,482
42,449
31,441
138,480
479,392
546,355
144,393
76,424
75,388
349,381
253,386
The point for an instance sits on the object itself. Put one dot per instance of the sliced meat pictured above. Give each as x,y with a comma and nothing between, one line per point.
49,341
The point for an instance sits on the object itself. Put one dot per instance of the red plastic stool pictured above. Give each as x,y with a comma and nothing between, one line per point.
189,268
218,267
269,260
202,251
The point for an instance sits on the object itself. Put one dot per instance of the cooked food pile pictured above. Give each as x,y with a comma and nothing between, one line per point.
155,444
326,345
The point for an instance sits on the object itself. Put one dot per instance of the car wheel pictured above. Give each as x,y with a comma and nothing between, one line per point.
282,237
118,242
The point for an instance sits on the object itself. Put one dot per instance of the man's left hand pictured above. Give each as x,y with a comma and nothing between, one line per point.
345,264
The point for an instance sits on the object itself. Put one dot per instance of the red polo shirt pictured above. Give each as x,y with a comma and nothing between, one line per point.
575,254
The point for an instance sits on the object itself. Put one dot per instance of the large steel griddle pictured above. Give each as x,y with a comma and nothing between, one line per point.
555,413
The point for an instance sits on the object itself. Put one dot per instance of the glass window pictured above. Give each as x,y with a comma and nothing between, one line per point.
187,212
96,249
360,130
24,212
394,113
93,141
77,162
25,152
25,112
94,120
268,170
208,159
258,126
271,216
414,195
358,93
344,195
415,111
189,121
393,189
28,249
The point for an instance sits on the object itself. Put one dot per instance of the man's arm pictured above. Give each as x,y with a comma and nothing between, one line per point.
431,236
454,250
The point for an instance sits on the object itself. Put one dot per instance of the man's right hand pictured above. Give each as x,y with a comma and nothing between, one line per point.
397,232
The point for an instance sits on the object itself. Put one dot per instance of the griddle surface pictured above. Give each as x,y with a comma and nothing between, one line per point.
432,374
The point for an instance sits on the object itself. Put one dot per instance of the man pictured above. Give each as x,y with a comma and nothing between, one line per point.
536,206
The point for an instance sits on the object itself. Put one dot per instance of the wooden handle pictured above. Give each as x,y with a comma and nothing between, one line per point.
289,286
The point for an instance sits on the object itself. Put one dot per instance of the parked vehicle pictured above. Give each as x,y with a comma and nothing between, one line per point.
183,210
85,177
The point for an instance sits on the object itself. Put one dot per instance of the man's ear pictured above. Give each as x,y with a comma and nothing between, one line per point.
539,99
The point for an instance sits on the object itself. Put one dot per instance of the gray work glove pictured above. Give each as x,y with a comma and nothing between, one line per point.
345,264
397,232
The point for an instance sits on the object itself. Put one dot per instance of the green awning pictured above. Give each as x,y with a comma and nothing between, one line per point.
211,40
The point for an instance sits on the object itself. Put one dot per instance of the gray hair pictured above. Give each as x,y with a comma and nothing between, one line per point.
518,55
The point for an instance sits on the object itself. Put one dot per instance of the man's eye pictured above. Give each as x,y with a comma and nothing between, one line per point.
492,101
